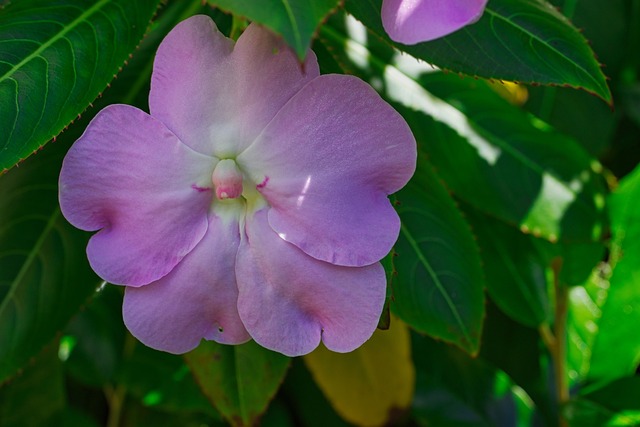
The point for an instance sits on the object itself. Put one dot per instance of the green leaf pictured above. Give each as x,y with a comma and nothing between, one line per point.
526,41
162,381
621,311
44,273
585,310
92,343
516,350
239,380
515,167
615,404
308,401
515,270
617,396
37,396
295,20
55,58
455,390
584,413
440,287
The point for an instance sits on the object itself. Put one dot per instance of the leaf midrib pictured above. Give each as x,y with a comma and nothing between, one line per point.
294,23
61,34
533,36
30,259
414,245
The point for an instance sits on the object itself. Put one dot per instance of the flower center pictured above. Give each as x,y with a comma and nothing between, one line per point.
227,180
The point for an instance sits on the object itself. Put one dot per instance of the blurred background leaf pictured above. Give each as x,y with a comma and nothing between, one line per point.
44,274
37,396
455,390
515,271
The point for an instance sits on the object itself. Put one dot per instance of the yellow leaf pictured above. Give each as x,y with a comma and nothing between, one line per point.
515,93
371,384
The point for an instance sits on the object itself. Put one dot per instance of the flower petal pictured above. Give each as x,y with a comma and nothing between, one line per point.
415,21
131,178
326,164
198,299
288,301
217,98
267,74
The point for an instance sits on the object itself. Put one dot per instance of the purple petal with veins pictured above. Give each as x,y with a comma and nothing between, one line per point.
250,203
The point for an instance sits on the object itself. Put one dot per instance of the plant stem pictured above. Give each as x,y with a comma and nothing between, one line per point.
556,340
116,396
559,354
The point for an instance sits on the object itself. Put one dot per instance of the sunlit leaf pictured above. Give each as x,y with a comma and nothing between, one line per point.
585,310
371,384
618,326
527,41
56,56
238,380
490,154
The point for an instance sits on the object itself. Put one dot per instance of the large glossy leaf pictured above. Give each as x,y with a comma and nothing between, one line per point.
527,41
490,153
56,56
373,383
44,273
618,326
515,270
295,20
239,380
440,286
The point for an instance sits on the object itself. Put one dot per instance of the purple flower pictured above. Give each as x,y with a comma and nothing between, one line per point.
415,21
251,202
